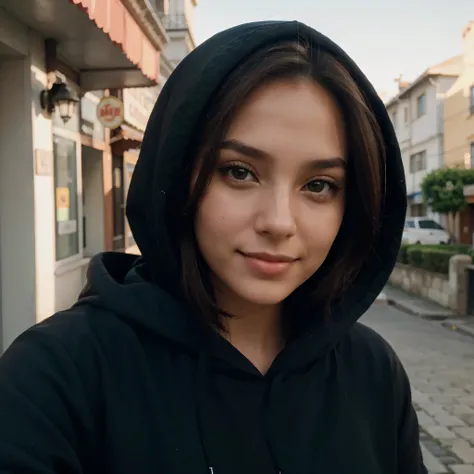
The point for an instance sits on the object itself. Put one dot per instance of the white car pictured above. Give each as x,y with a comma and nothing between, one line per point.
423,230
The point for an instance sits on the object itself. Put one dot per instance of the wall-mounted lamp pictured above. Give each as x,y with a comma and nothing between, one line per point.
60,97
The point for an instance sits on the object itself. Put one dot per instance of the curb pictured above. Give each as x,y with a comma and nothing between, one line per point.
428,316
457,326
381,299
446,320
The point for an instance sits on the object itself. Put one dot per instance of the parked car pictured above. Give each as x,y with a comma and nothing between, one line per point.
423,230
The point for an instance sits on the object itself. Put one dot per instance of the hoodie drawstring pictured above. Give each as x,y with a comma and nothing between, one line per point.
274,387
268,397
201,385
201,391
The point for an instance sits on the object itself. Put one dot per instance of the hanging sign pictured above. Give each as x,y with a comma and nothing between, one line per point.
110,112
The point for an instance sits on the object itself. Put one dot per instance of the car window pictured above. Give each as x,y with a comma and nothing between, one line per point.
429,224
409,225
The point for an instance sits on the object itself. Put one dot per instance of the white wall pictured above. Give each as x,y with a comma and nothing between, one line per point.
426,126
13,35
433,149
17,210
33,285
44,187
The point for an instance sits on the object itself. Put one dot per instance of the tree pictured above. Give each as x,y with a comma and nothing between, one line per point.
443,189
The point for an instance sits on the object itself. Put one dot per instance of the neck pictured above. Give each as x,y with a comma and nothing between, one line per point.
254,330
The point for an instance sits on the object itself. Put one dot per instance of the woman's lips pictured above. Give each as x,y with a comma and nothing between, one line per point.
269,265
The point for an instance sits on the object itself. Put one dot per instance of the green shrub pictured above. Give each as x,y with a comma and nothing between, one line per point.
430,258
402,254
464,249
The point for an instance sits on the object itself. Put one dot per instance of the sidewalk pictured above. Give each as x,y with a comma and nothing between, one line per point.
422,308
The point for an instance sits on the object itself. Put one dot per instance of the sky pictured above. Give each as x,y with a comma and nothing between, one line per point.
385,38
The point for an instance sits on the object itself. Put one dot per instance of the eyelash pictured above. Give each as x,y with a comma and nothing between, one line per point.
224,171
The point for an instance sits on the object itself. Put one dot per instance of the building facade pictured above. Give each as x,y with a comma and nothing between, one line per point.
177,17
63,175
459,129
417,116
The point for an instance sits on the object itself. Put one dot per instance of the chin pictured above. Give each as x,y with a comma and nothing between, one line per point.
262,293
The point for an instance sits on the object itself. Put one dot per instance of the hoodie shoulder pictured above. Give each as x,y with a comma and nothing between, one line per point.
368,344
51,385
372,360
80,329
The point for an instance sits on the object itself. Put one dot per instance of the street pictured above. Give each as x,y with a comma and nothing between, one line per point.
440,364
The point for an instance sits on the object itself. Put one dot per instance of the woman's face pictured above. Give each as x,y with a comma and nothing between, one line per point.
275,202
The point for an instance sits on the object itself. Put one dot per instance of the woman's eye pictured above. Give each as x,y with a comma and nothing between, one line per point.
318,186
239,173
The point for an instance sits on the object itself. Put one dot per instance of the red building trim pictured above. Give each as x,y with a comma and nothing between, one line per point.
115,20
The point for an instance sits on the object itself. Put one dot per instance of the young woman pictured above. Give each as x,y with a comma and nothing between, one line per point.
268,204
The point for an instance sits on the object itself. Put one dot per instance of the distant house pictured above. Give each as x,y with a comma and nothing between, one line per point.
417,116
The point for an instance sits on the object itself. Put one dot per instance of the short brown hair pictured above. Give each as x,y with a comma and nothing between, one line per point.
365,182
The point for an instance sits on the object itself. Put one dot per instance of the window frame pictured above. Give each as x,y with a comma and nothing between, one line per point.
437,226
421,99
419,156
79,256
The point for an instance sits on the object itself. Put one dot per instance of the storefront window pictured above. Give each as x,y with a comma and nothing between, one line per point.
65,184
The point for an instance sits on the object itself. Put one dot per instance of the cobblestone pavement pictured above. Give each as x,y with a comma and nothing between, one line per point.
440,364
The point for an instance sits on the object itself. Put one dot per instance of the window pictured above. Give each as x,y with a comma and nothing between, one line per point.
405,115
471,100
429,224
418,210
421,105
394,119
418,162
409,225
65,185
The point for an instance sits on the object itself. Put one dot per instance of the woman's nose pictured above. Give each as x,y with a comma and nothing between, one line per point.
275,215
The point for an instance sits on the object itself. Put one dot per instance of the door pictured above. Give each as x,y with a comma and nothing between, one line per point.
119,203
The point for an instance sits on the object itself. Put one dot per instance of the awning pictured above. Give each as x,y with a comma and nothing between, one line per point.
97,40
125,138
114,20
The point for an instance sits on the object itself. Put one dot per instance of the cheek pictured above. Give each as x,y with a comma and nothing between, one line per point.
218,218
223,210
321,231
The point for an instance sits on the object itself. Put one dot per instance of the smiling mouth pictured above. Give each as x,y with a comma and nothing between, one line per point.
267,257
265,265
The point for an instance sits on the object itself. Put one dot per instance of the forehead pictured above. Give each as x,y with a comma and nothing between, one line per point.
297,118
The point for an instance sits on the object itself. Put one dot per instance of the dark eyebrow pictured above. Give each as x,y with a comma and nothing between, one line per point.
252,152
243,149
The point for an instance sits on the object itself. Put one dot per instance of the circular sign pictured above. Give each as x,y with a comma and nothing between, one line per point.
110,112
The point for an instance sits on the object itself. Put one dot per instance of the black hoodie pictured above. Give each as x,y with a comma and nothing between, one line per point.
127,381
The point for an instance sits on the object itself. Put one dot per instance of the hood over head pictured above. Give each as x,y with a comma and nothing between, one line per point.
146,292
166,152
